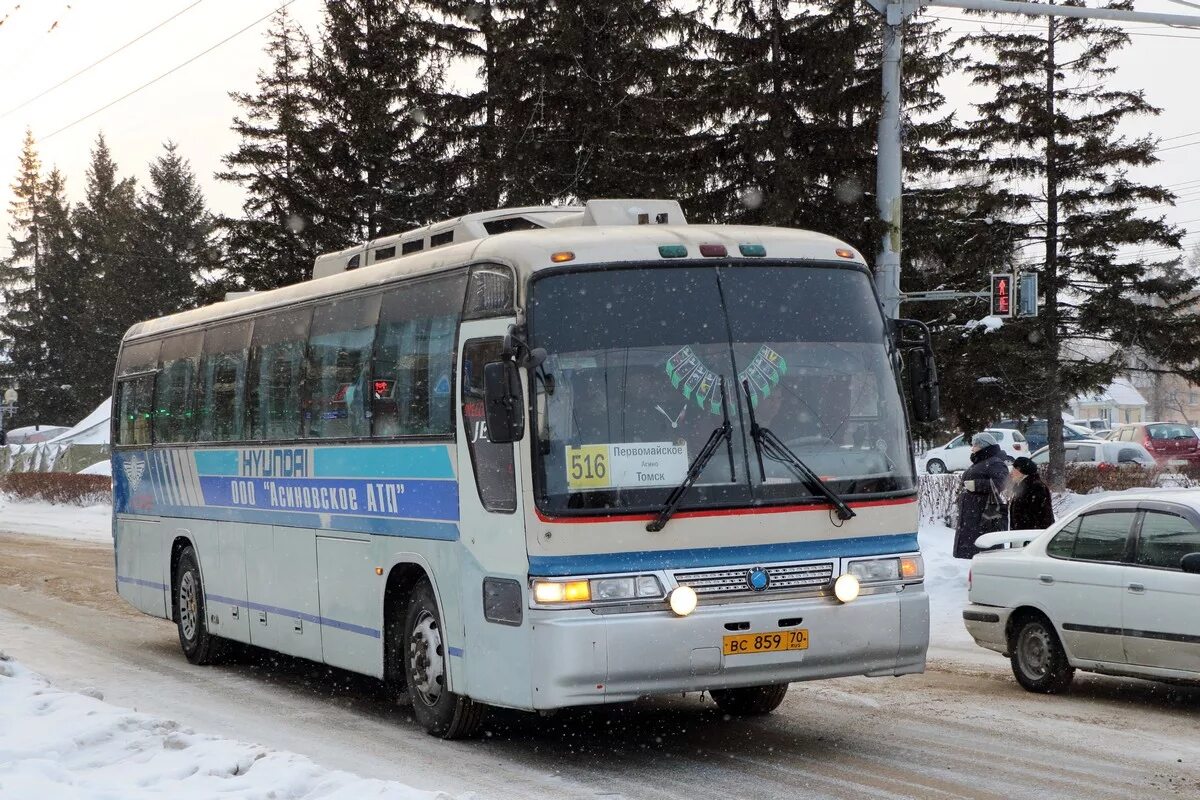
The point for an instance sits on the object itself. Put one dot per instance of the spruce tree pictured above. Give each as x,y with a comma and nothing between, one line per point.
117,279
376,74
22,351
1053,129
796,95
284,224
176,236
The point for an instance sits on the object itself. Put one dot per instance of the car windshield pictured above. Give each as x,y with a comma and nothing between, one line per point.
631,387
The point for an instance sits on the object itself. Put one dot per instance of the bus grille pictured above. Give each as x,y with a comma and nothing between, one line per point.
783,577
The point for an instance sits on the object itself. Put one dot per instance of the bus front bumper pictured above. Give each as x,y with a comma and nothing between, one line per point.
582,657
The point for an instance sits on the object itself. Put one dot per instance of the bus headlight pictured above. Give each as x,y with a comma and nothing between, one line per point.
884,570
597,590
846,587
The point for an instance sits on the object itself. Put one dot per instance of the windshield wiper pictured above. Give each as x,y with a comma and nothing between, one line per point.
768,444
723,431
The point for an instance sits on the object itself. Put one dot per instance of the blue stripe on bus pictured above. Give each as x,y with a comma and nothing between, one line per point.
380,526
375,461
387,498
301,615
216,462
455,651
162,587
721,556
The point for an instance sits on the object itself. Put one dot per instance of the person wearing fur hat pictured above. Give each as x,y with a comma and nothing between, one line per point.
1031,505
980,505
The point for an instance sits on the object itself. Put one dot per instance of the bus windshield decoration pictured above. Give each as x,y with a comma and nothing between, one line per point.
703,455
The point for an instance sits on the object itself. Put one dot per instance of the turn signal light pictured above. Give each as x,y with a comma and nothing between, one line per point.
911,567
562,591
844,253
562,256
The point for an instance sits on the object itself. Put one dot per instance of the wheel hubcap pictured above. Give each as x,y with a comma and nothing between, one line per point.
1034,651
426,659
188,606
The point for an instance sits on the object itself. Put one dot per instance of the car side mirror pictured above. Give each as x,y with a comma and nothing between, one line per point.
1190,563
504,402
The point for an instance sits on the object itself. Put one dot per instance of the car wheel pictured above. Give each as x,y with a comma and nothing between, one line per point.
441,712
199,646
1038,659
935,467
750,701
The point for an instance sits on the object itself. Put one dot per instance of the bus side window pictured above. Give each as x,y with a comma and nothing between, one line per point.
135,393
275,391
175,389
135,409
338,367
411,388
493,463
221,402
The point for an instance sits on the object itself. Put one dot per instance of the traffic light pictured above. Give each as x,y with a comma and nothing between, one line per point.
1027,294
1002,298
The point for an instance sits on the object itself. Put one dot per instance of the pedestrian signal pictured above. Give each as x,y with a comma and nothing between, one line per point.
1002,286
1027,294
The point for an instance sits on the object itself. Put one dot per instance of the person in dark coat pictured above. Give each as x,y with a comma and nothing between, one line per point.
1030,507
980,509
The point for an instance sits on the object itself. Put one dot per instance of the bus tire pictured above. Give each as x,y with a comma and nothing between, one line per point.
438,710
199,646
750,701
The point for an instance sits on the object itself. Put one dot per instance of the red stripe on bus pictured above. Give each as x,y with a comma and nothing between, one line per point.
726,512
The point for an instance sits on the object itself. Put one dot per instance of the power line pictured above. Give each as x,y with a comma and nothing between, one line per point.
70,78
174,69
1014,24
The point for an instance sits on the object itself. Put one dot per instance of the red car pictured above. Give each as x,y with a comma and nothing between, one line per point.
1171,443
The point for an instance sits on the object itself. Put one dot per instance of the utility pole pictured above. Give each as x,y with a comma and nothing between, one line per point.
889,178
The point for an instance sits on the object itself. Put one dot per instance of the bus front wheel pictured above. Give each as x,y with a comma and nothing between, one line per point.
199,646
750,701
441,712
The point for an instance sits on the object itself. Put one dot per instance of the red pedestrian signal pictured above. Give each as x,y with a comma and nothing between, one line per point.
1002,300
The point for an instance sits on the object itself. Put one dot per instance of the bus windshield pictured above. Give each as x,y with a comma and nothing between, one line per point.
637,357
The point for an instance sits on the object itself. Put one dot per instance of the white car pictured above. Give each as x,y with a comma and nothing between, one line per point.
1112,588
1099,453
955,455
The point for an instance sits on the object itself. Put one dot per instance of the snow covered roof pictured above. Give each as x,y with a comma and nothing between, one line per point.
1119,393
92,429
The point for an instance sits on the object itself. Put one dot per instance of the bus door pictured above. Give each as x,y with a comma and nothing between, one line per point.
495,575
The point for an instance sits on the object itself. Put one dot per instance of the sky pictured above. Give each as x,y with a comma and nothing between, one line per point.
46,42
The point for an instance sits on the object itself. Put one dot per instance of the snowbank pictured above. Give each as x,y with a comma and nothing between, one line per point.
93,429
66,746
99,468
91,523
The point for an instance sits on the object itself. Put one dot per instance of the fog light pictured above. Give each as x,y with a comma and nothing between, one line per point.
846,588
683,600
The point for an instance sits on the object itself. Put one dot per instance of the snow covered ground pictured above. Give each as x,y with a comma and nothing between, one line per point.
92,523
68,746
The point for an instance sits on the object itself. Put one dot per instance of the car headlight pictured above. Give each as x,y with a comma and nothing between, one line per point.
882,570
600,590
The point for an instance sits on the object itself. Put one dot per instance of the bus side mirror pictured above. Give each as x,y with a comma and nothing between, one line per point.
1190,563
913,336
504,402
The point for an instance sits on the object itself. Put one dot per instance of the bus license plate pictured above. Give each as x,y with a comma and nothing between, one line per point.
768,642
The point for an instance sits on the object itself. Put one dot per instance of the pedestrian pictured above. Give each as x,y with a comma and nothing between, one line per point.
981,506
1030,507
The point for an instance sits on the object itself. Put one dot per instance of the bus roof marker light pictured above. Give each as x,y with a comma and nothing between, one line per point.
683,600
672,251
846,587
562,256
753,250
713,251
842,252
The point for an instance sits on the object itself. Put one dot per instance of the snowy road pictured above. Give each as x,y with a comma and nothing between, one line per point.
961,730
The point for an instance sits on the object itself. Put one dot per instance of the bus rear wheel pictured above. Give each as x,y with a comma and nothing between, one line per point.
750,701
199,646
441,712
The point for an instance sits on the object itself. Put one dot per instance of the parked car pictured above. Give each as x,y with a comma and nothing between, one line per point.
1099,453
1036,434
955,455
1111,588
1104,433
1172,444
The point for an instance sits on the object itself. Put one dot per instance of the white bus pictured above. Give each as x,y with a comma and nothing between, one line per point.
536,458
